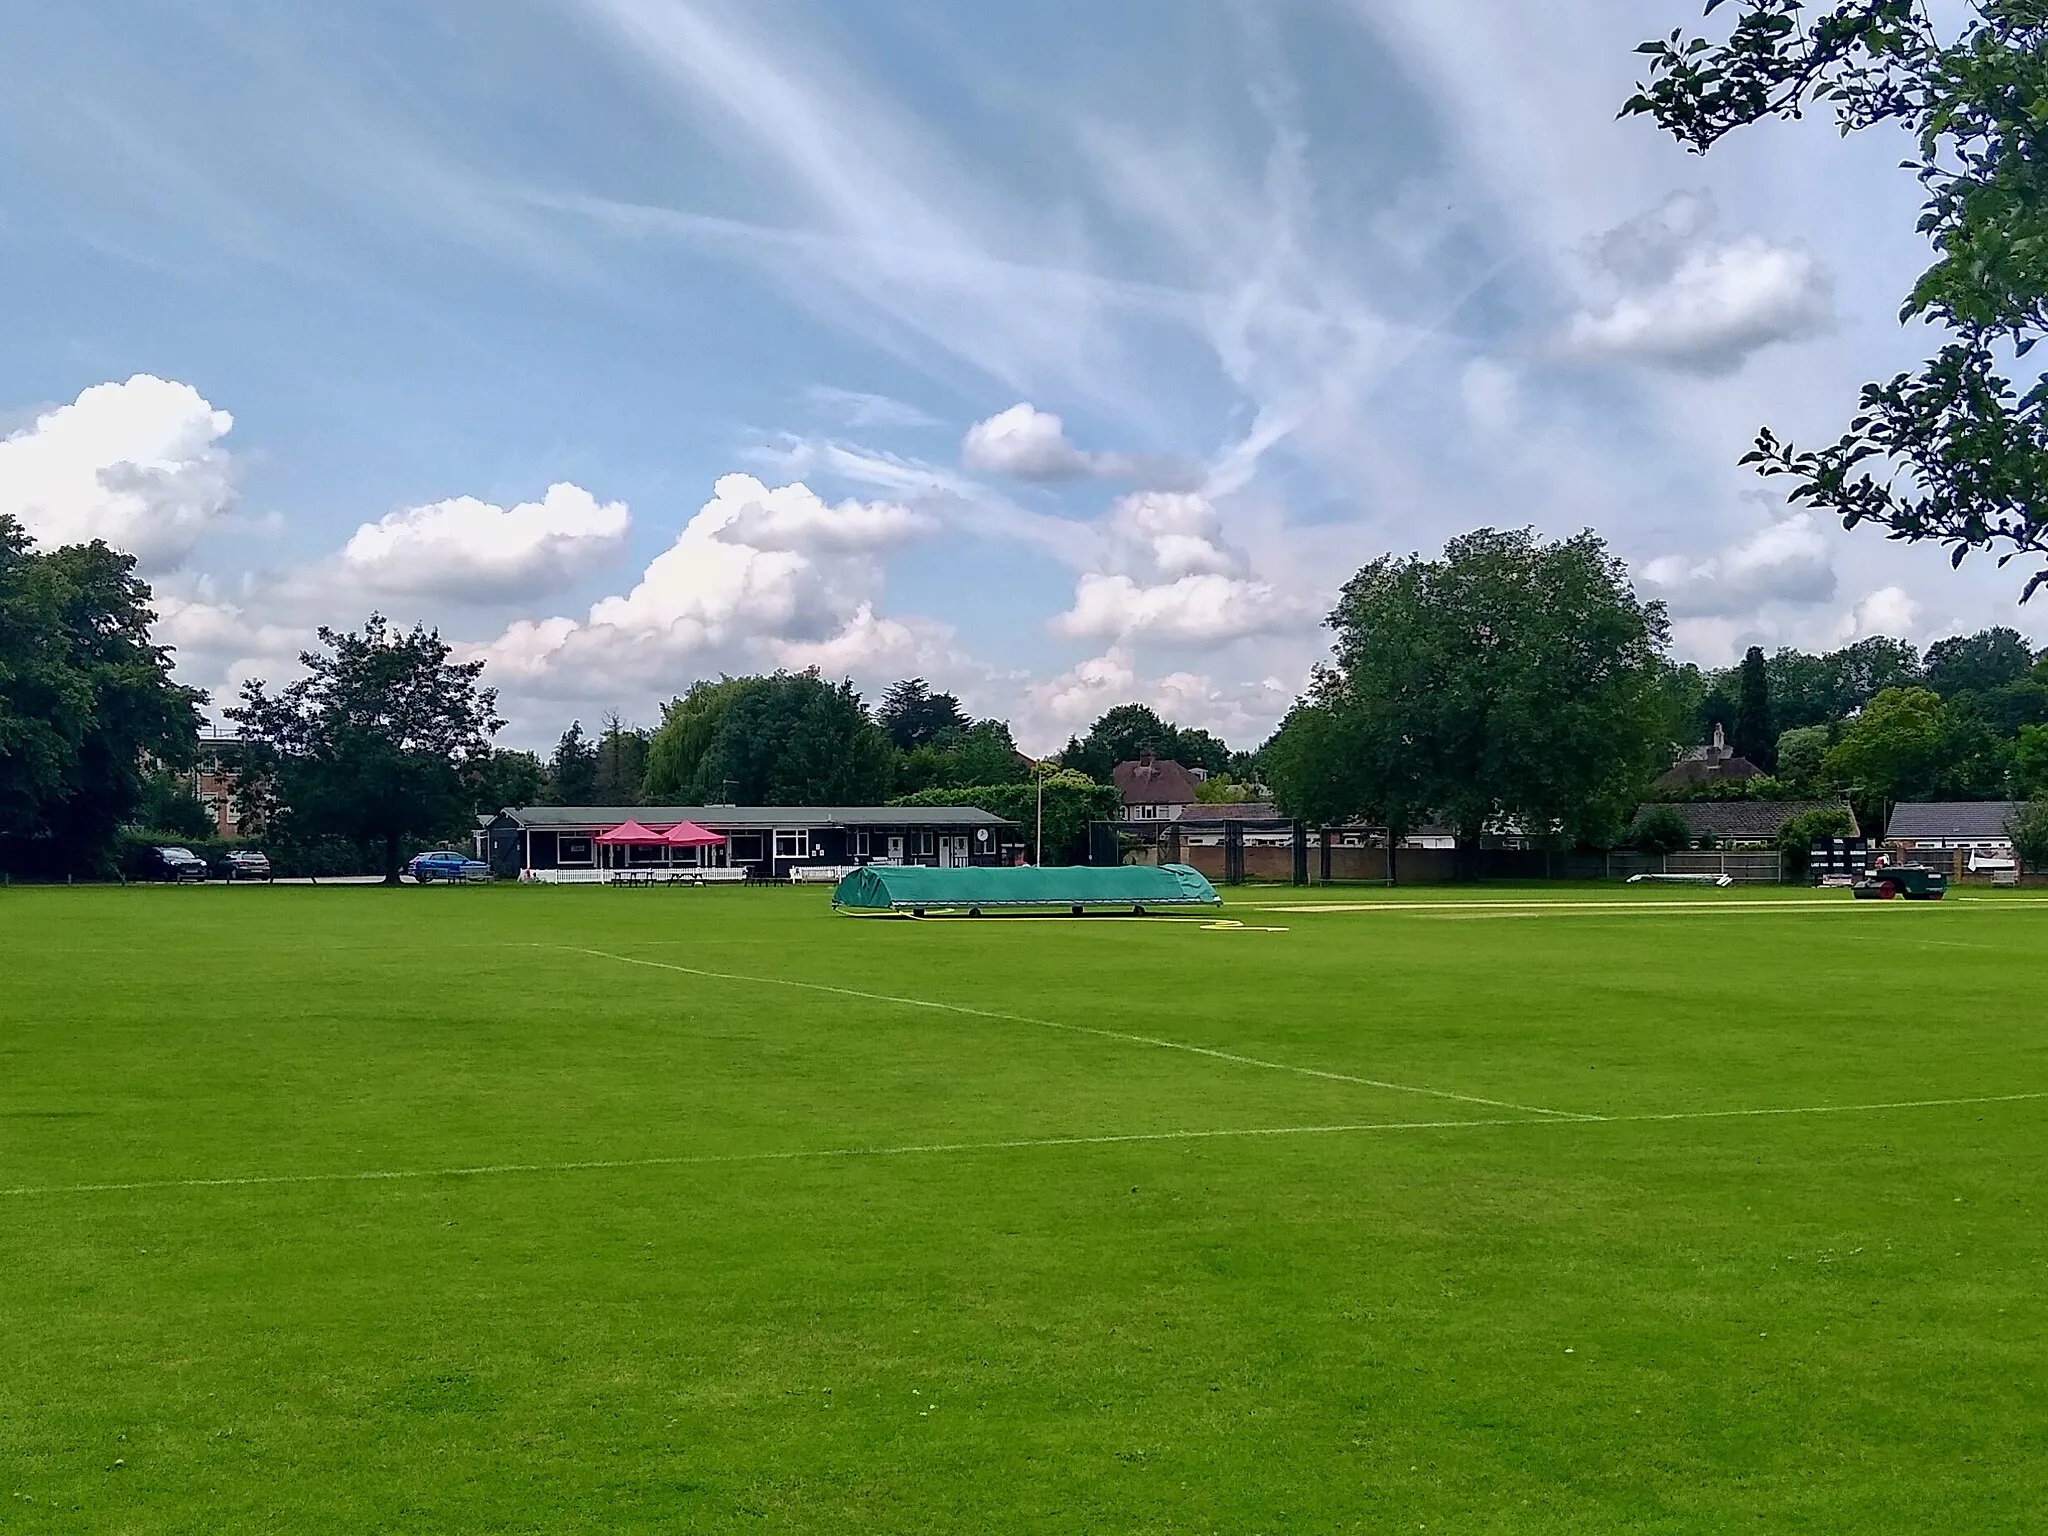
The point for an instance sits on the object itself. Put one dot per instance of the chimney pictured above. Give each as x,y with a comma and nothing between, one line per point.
1720,740
1145,757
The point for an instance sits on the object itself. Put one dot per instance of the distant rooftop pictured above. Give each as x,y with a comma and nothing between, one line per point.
762,816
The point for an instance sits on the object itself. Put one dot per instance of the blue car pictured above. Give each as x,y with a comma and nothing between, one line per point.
444,865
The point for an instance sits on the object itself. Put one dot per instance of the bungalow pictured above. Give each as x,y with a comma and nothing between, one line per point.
1968,835
767,842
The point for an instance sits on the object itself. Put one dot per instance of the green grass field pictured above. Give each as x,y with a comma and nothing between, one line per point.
491,1210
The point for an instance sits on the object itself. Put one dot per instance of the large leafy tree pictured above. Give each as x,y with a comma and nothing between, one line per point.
511,779
1130,731
1897,749
1512,682
1979,663
913,716
789,739
1956,452
385,739
86,702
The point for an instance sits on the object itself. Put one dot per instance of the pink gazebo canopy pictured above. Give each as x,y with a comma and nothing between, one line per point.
630,835
687,834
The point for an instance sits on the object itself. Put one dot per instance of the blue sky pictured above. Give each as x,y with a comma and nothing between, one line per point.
1062,354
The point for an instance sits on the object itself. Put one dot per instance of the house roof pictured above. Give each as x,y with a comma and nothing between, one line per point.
1251,810
1980,821
1746,821
741,817
1690,771
1154,781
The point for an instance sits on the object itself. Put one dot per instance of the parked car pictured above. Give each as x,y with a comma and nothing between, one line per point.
176,865
445,865
244,864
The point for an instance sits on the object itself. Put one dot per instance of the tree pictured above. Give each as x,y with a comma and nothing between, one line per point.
1864,670
914,716
1755,736
510,779
1893,751
1660,830
689,727
2029,829
1981,663
1719,707
86,699
788,739
1222,789
2030,762
1129,731
1801,753
1955,453
1512,682
1798,835
1072,803
988,754
384,740
168,805
621,765
572,771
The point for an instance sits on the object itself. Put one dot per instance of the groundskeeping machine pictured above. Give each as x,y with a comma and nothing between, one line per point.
1078,890
1896,880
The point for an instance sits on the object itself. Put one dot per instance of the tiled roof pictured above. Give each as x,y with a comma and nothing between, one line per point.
1690,771
1158,782
1952,821
1745,821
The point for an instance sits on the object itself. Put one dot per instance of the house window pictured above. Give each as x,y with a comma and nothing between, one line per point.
793,845
856,845
924,844
575,850
746,848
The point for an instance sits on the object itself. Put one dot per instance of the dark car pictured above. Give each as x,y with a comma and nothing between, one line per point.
446,865
176,865
244,864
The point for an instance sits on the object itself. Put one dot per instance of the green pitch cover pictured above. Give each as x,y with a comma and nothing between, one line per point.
910,887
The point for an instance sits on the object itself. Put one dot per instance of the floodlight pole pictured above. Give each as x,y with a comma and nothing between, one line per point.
1038,847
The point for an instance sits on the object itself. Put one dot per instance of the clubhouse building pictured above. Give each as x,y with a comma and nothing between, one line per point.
570,843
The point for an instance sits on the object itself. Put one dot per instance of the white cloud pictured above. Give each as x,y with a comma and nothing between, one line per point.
470,549
1195,610
218,644
1172,576
1053,710
1791,561
137,464
1026,443
792,518
759,576
1887,611
1679,298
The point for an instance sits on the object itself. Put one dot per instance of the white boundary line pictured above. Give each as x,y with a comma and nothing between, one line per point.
1077,1029
927,1149
1539,904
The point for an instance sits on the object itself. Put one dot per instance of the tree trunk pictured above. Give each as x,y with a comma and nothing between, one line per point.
1393,856
391,859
